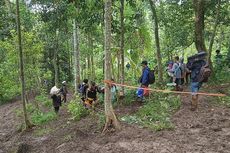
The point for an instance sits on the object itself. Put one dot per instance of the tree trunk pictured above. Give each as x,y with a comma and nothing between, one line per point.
118,66
55,61
27,122
88,67
213,34
122,46
76,55
199,8
93,68
157,41
111,120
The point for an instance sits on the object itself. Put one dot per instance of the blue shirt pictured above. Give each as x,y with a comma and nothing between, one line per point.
144,80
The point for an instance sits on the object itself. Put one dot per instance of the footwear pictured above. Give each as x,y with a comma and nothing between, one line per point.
194,102
139,99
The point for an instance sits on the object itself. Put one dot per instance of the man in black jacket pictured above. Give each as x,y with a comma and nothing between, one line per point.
195,63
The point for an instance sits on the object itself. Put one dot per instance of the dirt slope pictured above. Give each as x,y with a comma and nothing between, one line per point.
206,130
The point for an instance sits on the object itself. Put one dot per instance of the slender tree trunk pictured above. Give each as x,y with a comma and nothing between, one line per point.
213,35
88,67
199,8
122,46
27,122
55,60
103,68
111,119
76,55
118,66
92,68
158,52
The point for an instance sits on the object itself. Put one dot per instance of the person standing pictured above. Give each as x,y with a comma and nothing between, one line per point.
56,97
184,70
144,81
199,74
64,91
177,73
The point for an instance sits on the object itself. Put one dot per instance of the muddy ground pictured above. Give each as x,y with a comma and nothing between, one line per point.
206,130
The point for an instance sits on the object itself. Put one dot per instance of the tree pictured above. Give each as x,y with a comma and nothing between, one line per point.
214,34
111,119
26,120
55,60
76,55
156,32
199,8
122,46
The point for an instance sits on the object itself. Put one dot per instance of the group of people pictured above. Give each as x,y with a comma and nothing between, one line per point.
178,73
89,92
197,68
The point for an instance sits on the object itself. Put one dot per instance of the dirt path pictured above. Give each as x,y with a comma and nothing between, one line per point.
206,130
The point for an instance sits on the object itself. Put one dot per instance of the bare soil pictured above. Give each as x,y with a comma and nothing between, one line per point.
206,130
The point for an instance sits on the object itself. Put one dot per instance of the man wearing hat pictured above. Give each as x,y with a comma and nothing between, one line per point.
144,80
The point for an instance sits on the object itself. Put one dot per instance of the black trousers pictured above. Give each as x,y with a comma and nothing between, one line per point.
56,109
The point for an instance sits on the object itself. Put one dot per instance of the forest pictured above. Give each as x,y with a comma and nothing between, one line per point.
53,52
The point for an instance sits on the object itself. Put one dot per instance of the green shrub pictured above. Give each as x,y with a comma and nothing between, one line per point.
155,114
40,117
77,110
44,100
37,117
225,100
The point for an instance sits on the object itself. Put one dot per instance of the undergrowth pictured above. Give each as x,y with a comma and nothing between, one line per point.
76,109
155,114
37,116
44,100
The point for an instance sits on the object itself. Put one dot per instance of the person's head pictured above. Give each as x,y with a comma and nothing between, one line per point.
85,81
93,84
176,58
144,64
217,51
64,83
181,60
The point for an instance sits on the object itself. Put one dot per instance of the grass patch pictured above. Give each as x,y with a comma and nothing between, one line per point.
224,100
76,109
129,97
42,131
44,100
155,114
37,117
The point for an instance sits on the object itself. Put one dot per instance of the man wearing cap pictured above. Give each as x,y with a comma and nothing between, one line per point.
144,80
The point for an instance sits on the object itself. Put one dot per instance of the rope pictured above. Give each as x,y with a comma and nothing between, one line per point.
164,91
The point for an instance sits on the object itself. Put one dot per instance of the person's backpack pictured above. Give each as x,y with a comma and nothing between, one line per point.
81,89
205,73
151,77
178,69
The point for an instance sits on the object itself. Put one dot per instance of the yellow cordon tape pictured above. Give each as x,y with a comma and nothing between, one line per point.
164,91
